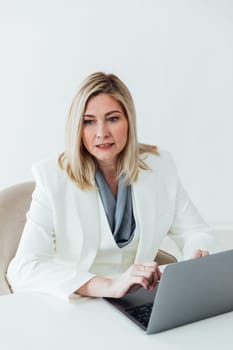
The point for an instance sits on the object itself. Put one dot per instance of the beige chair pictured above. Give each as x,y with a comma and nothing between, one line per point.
14,204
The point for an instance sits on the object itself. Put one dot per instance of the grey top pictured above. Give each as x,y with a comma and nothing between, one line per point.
119,210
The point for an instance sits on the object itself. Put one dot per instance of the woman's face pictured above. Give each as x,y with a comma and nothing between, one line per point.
105,128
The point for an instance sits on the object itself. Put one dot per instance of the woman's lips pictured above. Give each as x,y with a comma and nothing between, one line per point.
105,145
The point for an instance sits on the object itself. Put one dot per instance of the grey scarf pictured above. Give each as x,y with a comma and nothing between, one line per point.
119,211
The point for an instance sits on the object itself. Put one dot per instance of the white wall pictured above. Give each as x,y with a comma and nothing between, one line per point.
175,56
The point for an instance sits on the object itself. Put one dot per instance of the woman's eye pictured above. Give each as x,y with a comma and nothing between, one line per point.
88,121
113,119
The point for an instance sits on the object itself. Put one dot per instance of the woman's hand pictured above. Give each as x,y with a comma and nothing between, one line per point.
144,275
198,253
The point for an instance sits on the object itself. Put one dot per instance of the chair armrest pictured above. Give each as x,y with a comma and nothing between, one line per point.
164,258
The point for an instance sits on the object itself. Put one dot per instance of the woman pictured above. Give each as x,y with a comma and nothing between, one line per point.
100,211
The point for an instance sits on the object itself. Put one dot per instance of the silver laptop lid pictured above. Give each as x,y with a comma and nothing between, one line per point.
193,290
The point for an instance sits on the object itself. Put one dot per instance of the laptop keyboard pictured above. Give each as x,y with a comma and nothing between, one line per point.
141,313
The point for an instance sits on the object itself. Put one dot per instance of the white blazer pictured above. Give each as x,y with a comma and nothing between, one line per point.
62,233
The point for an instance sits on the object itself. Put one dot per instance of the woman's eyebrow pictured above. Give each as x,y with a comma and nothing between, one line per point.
106,114
111,112
88,115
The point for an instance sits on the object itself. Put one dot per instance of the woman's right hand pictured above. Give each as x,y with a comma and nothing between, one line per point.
144,275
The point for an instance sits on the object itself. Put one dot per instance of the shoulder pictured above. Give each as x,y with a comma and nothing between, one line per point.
47,172
162,162
47,165
161,168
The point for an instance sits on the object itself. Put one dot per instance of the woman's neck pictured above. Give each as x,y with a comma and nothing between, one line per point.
109,171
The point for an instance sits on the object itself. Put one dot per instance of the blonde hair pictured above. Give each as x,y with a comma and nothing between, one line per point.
79,164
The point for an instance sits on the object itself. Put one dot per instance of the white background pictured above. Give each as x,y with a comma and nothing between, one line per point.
175,56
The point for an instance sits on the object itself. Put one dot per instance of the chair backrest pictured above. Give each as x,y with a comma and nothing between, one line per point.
14,204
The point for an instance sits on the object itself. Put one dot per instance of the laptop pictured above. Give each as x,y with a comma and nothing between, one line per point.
188,291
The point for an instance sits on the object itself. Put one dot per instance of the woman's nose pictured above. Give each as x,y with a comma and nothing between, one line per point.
102,130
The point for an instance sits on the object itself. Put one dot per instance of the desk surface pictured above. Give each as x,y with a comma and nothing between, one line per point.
33,321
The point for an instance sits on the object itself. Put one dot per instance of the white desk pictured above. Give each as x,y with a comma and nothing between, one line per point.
34,321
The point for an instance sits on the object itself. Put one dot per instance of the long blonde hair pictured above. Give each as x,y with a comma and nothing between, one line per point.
79,164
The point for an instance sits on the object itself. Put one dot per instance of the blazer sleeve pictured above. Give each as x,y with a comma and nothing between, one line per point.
188,229
35,266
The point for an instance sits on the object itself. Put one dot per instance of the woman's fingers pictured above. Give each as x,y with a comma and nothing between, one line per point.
149,272
153,267
198,253
149,267
144,275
